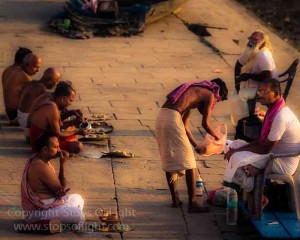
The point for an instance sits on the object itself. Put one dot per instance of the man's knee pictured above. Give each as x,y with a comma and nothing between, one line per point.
75,147
75,200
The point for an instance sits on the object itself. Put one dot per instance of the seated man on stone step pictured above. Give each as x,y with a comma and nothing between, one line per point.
44,115
16,81
33,90
43,192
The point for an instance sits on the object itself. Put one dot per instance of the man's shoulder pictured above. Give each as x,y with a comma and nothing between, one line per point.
35,86
38,164
18,75
45,104
265,52
286,114
39,168
8,69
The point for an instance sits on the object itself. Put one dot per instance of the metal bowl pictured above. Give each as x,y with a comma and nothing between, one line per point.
85,126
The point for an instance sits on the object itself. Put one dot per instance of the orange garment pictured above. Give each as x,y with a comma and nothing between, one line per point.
35,132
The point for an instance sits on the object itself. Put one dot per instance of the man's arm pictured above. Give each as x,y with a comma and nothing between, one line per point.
64,156
257,77
54,123
74,122
186,121
3,77
69,113
254,147
237,73
206,116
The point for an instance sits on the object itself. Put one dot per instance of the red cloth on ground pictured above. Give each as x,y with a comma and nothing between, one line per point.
35,132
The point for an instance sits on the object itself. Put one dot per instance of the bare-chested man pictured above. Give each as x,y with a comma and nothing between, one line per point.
19,56
43,193
175,139
34,89
16,82
45,115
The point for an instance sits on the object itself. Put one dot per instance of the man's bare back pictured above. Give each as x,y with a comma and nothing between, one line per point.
7,72
29,94
193,97
15,83
43,116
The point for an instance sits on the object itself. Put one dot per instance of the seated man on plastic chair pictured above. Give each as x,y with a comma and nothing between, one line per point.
280,134
253,66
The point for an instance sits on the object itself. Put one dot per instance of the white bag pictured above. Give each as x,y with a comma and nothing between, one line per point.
210,145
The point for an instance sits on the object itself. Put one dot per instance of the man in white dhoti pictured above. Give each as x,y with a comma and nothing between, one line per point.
43,193
280,134
174,138
254,65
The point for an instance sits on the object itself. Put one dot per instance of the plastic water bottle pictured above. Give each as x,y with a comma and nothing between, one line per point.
199,186
232,204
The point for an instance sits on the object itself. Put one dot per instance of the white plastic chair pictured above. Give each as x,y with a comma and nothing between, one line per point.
255,199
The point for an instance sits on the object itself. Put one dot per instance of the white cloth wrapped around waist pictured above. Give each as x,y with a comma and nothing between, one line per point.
234,173
22,119
175,149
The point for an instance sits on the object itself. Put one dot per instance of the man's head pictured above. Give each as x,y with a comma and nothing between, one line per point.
47,145
258,40
64,94
51,77
31,64
223,88
21,54
269,91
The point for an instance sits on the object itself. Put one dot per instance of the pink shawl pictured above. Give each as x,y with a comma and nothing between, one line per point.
177,92
268,120
31,201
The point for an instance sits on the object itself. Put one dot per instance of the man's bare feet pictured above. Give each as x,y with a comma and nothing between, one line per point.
177,204
195,208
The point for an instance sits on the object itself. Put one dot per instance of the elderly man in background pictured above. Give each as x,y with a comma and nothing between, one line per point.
33,90
16,81
254,65
43,193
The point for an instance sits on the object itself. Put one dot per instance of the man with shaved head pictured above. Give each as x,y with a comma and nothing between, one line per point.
19,56
16,82
34,89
